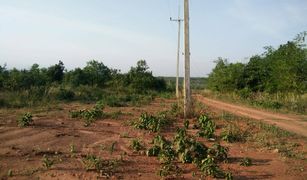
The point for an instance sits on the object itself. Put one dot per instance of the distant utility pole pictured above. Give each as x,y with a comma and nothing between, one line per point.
178,52
187,89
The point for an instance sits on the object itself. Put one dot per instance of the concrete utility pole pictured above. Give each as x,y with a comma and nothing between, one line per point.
187,89
178,52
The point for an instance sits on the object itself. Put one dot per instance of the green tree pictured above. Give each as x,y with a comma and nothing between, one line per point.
55,73
97,73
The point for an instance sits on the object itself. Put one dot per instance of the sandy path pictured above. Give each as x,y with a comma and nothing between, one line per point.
292,123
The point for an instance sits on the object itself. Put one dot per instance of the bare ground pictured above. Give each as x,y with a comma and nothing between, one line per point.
293,123
22,149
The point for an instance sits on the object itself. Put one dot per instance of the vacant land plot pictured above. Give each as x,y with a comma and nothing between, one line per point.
57,146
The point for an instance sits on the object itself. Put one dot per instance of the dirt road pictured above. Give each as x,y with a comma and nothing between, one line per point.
292,123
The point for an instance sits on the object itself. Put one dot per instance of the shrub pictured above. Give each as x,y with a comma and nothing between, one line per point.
25,120
65,94
136,145
151,122
3,103
89,115
153,151
209,168
207,127
219,152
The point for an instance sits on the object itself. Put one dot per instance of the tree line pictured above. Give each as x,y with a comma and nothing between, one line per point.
281,70
138,79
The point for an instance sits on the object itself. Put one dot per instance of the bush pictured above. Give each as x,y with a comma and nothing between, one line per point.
25,120
89,115
151,122
207,127
3,103
219,152
65,94
209,168
153,151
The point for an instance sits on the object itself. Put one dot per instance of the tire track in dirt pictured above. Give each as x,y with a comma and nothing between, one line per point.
292,123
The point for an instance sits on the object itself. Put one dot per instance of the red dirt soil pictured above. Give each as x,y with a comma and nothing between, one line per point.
292,123
22,149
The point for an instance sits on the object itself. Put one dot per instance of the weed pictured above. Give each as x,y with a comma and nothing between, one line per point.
176,110
9,173
228,176
153,151
91,162
112,148
89,115
136,145
246,161
232,133
47,163
227,116
25,120
124,135
115,115
169,169
72,148
186,124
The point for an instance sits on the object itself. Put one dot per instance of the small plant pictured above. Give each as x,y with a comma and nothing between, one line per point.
47,163
153,151
89,115
107,167
209,168
115,115
186,124
246,161
169,169
218,152
151,123
136,145
124,135
72,148
207,127
112,148
228,176
9,173
176,110
25,120
167,154
92,162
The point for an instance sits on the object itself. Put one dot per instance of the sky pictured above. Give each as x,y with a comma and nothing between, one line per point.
121,32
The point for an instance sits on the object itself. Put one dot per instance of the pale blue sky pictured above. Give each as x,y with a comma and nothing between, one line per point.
120,32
